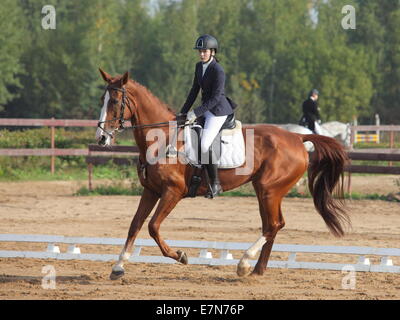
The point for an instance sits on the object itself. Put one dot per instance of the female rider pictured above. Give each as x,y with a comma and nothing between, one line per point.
210,78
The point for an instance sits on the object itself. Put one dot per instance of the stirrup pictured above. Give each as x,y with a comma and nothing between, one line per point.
211,194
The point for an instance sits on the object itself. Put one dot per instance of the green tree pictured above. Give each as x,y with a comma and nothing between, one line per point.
390,108
171,63
137,37
341,68
61,65
274,40
12,25
273,52
369,35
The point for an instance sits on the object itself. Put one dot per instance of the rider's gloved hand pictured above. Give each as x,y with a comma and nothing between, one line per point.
191,117
181,117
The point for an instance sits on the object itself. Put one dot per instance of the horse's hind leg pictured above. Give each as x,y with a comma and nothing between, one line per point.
168,202
147,203
272,222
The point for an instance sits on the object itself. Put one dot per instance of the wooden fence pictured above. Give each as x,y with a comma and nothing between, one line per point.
52,123
104,155
377,156
47,123
98,155
368,136
93,152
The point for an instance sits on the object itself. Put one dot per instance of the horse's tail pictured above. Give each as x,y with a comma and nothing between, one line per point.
325,175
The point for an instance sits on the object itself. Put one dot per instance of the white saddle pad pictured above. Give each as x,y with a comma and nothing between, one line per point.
232,147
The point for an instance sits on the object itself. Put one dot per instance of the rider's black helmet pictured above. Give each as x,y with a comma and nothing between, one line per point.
206,42
313,91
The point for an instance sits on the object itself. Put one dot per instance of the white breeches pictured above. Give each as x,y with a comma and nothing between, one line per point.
212,126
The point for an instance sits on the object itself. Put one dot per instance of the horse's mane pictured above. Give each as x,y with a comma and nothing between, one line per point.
151,96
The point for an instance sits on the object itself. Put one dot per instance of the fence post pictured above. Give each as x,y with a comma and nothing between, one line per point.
53,134
353,134
349,182
352,140
391,146
378,123
90,170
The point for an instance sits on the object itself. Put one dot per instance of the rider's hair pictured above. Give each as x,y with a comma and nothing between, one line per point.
214,54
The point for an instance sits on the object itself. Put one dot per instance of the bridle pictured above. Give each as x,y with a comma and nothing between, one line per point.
126,102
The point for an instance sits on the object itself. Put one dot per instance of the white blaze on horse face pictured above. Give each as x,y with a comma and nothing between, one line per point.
103,117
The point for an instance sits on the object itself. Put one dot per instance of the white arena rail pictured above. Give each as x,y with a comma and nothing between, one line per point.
205,256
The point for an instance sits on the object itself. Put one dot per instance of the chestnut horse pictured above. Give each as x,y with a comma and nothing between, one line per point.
279,161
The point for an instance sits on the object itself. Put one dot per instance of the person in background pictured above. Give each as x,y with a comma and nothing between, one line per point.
311,117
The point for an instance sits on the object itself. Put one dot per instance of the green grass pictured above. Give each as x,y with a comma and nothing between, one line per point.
371,145
238,193
112,190
74,168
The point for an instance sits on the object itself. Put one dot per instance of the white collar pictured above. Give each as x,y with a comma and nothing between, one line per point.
205,65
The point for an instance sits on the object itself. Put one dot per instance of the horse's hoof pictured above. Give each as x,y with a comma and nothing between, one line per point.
243,272
256,273
115,275
243,269
182,257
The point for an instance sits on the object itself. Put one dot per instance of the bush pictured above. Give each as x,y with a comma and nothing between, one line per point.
41,138
38,167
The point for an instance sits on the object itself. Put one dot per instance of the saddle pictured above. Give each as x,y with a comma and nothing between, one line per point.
230,122
303,122
228,147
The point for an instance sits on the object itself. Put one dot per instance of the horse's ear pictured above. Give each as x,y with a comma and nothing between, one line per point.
125,78
105,75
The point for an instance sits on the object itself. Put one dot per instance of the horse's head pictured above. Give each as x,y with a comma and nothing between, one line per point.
116,108
340,131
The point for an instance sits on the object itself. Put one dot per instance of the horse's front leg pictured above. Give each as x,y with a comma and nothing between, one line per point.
167,202
147,203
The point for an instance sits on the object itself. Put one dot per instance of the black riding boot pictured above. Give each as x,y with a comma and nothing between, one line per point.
212,170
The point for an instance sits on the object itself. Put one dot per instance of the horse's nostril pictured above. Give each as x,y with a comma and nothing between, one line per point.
102,141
